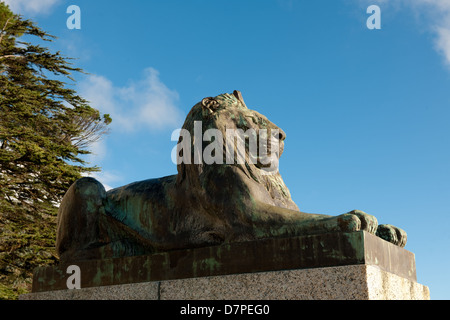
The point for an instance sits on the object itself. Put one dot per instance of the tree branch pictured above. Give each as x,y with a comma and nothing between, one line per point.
4,29
11,56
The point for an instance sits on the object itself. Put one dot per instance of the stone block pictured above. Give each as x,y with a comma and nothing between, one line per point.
352,282
355,265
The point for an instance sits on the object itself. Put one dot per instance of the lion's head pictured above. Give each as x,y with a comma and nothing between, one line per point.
221,134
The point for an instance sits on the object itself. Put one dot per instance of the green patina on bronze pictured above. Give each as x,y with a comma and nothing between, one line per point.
313,251
205,265
203,205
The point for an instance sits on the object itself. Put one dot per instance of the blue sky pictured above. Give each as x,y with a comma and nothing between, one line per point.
366,112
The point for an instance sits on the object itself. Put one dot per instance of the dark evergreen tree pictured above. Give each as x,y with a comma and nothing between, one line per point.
45,129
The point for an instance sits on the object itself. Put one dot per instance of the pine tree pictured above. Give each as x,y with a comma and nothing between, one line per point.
45,129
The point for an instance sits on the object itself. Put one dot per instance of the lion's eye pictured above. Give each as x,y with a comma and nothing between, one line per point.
253,119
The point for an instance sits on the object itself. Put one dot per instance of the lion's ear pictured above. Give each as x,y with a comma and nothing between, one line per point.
210,103
238,96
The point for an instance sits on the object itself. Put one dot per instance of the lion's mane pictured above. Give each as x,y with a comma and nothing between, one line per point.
229,111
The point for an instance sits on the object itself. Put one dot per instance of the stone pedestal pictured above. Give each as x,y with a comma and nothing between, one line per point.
357,266
355,282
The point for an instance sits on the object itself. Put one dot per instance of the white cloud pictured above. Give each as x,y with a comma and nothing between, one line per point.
106,178
443,43
438,11
31,6
143,104
98,151
434,14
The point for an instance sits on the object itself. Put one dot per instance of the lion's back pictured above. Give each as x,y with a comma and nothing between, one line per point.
141,204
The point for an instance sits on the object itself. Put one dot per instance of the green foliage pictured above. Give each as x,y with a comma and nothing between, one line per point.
45,128
27,240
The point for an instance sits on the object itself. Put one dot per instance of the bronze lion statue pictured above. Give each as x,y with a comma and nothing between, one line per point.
204,204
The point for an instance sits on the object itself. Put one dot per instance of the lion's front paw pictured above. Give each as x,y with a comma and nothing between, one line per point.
392,234
369,222
357,220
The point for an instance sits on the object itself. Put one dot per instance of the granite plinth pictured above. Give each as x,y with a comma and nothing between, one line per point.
353,282
296,257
